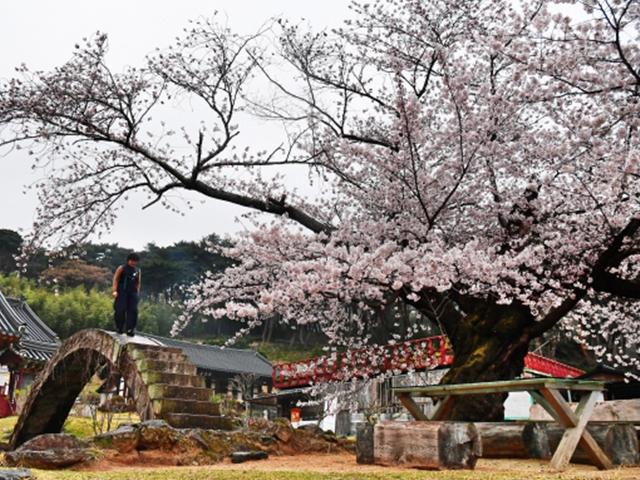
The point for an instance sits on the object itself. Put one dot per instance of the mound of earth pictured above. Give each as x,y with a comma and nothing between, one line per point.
157,442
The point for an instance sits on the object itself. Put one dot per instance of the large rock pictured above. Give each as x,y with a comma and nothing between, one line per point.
283,431
149,435
50,451
219,444
19,474
306,440
124,439
157,435
54,441
279,429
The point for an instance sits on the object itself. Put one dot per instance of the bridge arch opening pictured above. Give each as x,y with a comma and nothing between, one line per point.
56,388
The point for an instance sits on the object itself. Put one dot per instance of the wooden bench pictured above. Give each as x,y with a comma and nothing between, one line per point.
546,391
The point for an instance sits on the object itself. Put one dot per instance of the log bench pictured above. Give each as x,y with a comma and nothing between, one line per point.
427,445
546,391
527,439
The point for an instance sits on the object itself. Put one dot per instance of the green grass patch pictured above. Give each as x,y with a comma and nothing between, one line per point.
79,427
6,427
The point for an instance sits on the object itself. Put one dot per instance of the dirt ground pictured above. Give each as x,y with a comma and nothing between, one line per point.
345,463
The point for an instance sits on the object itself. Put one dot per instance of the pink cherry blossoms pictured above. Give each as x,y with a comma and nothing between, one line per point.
469,150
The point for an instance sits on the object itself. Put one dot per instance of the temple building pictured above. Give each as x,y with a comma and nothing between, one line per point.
26,344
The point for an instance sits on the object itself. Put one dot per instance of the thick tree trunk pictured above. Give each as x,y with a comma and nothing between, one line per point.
489,343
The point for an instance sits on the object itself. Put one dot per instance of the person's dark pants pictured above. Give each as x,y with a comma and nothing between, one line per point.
126,311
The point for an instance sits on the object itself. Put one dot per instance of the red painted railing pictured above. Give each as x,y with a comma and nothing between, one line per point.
553,368
414,355
422,354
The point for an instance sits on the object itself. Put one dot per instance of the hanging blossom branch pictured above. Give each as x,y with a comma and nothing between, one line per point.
96,135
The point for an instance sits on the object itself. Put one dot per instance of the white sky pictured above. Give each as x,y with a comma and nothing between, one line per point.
42,33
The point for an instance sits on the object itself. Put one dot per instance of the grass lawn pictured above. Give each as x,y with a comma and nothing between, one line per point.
78,426
206,473
338,466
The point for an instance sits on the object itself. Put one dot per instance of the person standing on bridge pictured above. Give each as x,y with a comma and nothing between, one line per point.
127,282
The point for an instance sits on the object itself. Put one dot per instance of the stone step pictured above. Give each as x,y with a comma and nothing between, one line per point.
162,390
152,376
163,406
183,368
209,422
162,355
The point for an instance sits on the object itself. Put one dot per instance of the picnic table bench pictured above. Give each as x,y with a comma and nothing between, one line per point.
546,392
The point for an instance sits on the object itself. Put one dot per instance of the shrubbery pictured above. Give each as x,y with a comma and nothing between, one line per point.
68,310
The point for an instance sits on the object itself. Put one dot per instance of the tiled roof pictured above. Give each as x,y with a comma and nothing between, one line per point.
37,330
7,318
37,351
219,359
37,341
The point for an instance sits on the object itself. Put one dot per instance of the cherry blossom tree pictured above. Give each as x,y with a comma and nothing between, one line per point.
479,161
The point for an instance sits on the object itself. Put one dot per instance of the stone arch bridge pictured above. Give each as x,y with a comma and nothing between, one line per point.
163,382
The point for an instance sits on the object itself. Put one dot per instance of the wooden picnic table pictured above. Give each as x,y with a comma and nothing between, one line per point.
546,391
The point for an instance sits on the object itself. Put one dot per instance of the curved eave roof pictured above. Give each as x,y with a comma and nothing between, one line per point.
36,329
218,359
35,342
7,321
36,351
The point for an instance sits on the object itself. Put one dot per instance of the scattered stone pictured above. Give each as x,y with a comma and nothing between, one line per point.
50,451
20,474
124,439
241,457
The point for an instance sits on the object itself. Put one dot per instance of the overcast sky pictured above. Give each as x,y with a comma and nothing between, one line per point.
42,33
